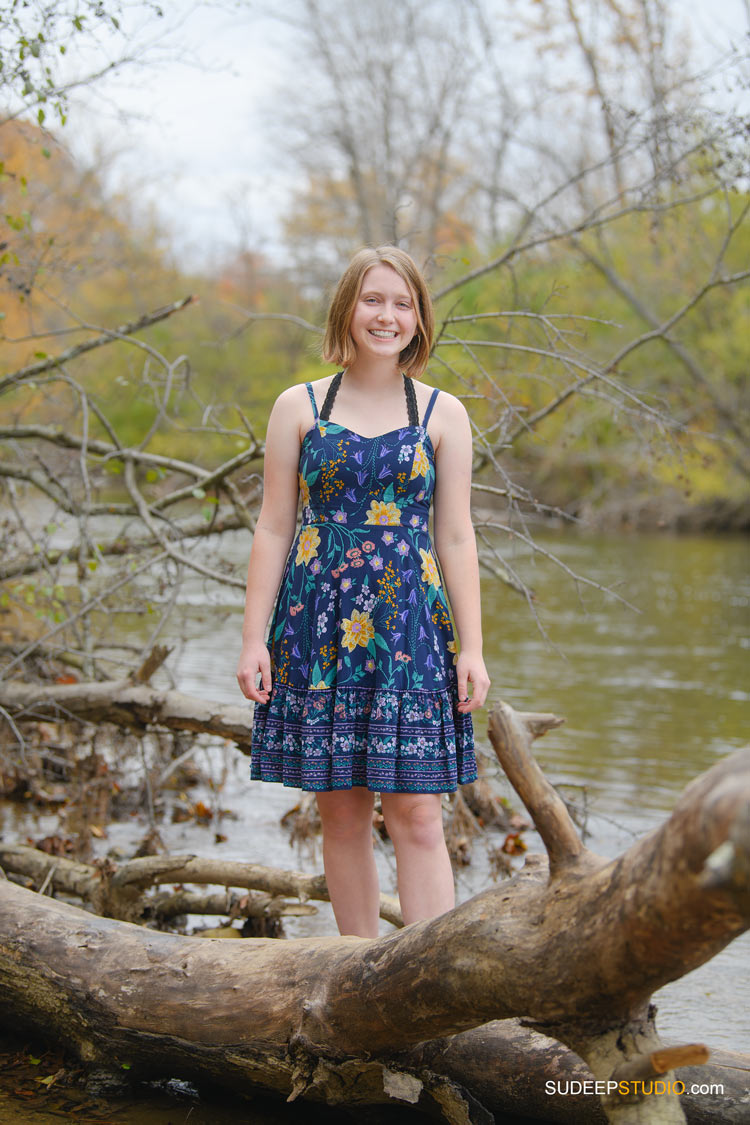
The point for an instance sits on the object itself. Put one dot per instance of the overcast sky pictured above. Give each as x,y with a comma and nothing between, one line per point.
194,138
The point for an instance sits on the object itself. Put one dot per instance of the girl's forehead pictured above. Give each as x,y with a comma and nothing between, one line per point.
384,278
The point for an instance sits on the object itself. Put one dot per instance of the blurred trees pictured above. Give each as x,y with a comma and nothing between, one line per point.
569,167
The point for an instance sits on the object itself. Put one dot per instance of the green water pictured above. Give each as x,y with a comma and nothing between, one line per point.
652,694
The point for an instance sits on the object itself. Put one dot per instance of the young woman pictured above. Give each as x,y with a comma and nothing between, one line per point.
365,688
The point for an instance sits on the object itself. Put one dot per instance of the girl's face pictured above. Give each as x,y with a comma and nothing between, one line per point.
384,319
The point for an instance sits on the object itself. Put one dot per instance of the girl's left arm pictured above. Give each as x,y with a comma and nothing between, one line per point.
456,547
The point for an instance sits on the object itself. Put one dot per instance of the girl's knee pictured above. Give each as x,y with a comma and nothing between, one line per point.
414,819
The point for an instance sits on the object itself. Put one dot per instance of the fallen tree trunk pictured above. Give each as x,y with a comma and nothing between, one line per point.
575,947
120,890
127,704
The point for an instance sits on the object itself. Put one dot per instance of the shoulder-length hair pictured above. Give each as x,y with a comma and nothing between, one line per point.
338,345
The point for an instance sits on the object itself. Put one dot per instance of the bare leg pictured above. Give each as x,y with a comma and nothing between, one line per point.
425,877
348,859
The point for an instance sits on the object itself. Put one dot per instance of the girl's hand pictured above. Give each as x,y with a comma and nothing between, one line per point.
255,661
470,668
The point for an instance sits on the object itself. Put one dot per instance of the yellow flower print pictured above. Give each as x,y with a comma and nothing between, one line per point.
452,648
307,546
321,684
358,629
304,489
383,512
429,568
420,466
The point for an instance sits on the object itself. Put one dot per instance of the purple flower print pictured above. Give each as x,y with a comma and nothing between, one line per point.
346,584
414,521
296,652
351,495
403,547
388,537
376,562
315,566
339,516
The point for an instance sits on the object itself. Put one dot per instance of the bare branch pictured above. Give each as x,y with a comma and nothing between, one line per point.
107,337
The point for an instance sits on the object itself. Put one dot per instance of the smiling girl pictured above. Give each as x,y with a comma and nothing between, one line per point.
364,686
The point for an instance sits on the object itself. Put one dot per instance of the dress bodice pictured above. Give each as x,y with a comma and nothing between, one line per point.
385,480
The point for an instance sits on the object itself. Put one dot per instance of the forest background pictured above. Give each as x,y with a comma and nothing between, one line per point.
572,175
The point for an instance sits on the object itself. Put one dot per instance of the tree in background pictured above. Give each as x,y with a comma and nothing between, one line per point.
568,173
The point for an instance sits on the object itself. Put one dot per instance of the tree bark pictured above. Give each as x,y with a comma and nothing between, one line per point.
127,704
575,947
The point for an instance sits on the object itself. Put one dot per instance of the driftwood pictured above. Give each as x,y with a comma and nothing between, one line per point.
127,704
120,890
574,947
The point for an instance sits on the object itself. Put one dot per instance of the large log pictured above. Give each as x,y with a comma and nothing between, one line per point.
575,947
127,704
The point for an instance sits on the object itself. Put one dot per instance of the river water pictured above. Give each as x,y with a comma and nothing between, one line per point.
654,692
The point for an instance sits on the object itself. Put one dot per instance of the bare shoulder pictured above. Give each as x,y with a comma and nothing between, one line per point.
292,411
449,418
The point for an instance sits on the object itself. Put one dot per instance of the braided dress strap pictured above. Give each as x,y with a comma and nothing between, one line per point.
325,410
411,401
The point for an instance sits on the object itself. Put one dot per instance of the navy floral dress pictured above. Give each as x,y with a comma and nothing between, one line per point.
364,689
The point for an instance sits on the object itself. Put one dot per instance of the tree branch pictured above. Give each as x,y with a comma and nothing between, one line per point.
107,337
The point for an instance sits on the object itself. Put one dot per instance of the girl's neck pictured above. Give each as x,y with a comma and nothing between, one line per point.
373,376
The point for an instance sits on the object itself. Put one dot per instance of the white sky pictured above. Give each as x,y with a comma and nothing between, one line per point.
189,139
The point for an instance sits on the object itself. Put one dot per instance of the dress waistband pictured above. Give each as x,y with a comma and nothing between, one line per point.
412,519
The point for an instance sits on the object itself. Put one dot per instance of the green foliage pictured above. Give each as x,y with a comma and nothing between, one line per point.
652,421
35,38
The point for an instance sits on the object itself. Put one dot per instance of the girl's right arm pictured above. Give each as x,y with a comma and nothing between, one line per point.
272,539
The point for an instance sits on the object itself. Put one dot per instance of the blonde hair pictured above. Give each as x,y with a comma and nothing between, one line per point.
338,346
